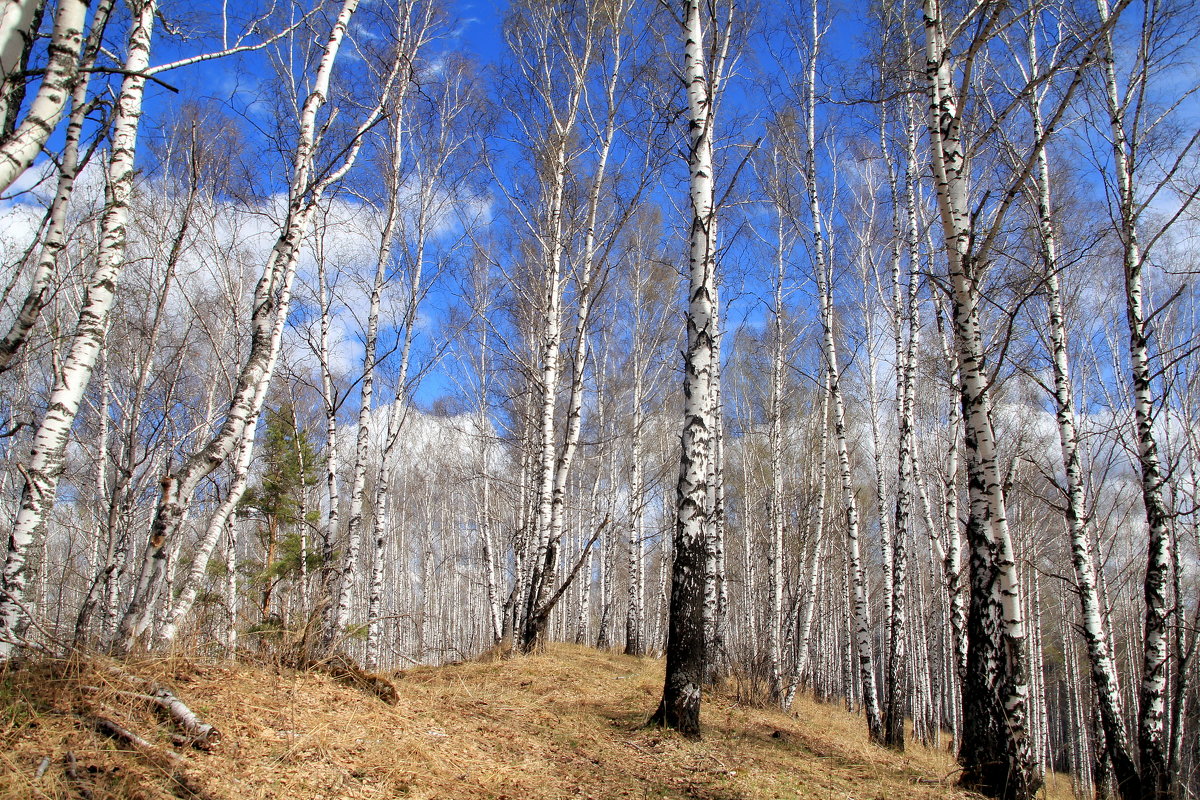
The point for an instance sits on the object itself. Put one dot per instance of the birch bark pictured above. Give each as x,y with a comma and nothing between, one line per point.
995,752
330,520
636,561
68,170
861,621
1095,634
905,334
686,652
553,241
559,460
272,298
802,671
776,515
45,463
1152,746
16,30
18,150
362,442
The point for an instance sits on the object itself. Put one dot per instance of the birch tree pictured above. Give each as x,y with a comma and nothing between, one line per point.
70,163
434,145
556,42
818,249
1132,121
687,653
1094,628
45,463
649,330
995,754
272,299
416,27
599,42
20,143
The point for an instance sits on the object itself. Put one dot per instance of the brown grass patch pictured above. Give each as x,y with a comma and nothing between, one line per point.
563,724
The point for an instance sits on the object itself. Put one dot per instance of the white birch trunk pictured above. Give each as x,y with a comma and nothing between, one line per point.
635,644
996,754
45,463
381,524
716,587
1152,746
1103,671
16,30
686,637
860,610
375,593
329,522
559,462
272,300
804,636
354,522
231,597
491,570
904,314
217,524
554,245
775,553
68,170
19,150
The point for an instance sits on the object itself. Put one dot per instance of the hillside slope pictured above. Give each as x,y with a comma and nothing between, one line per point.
564,724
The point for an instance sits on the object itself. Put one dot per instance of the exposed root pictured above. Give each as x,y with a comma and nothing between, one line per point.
346,671
71,768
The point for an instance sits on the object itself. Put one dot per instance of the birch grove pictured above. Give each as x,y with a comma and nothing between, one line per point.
850,356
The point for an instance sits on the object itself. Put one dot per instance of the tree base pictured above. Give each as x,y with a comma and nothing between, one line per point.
679,711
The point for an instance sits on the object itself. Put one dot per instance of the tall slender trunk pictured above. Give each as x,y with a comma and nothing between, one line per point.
381,525
776,515
375,592
1095,634
217,524
687,654
860,610
272,297
69,166
485,501
45,463
995,753
635,644
354,522
1152,746
83,620
554,239
231,597
330,520
716,585
804,635
904,316
952,559
18,150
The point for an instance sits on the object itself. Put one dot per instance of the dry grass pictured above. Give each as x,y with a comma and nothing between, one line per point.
565,724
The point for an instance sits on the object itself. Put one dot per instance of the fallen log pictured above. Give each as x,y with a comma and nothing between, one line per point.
198,733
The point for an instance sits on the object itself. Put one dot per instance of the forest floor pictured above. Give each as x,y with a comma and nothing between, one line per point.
564,724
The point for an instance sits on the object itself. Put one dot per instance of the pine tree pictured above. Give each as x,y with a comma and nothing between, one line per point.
289,469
